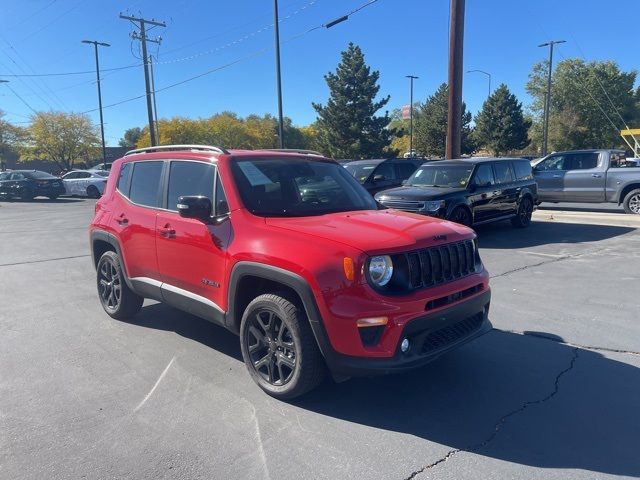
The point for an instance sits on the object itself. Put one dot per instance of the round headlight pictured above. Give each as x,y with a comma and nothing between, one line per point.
380,270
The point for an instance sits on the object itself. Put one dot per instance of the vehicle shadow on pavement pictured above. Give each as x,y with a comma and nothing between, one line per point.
504,236
163,317
568,208
516,398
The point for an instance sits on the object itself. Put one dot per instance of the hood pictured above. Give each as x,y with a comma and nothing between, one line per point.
376,231
419,193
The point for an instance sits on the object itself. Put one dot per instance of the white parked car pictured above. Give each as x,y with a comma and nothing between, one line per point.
88,183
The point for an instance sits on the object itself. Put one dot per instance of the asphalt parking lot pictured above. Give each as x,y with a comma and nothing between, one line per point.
553,392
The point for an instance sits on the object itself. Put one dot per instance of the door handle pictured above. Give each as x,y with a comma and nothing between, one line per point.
596,175
167,231
555,175
122,220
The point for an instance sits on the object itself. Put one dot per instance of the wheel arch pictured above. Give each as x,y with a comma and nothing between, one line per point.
102,242
461,204
250,279
626,189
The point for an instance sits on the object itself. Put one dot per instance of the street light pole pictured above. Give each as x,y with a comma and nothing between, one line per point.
95,46
485,73
547,102
411,79
278,80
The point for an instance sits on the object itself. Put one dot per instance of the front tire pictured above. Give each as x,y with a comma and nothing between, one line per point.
117,299
93,192
462,216
525,211
278,347
631,202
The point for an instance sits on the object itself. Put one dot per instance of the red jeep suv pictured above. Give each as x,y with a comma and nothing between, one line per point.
288,250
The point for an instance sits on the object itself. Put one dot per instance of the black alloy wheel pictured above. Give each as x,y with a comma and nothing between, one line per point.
462,216
109,285
117,299
525,211
271,347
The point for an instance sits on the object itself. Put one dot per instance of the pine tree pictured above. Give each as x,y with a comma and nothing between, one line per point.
347,126
430,125
500,125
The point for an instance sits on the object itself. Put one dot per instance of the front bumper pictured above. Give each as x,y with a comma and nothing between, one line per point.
430,335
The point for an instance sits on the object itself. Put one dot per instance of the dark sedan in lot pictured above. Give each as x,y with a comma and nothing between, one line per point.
28,184
382,174
469,191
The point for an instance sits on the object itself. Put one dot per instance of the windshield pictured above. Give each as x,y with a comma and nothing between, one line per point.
452,176
297,187
39,175
360,171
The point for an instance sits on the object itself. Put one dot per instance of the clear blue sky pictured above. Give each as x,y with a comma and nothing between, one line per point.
399,37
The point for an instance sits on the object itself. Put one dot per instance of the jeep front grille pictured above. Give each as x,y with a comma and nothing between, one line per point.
405,205
442,264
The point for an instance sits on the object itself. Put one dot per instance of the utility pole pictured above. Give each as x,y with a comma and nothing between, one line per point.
454,114
142,36
276,26
95,46
153,91
411,79
547,100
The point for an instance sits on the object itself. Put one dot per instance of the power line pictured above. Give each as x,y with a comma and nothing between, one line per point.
229,64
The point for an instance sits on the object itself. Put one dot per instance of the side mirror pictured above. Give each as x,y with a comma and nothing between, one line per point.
404,182
472,187
378,178
195,207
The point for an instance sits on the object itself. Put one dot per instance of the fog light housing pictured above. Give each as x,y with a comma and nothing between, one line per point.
405,345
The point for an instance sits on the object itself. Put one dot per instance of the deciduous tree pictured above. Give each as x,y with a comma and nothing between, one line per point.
579,104
62,138
130,137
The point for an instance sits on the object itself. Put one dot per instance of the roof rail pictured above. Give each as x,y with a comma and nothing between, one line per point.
169,148
292,150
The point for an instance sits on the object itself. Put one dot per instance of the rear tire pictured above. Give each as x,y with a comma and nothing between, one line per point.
117,299
525,211
93,192
631,202
278,347
462,216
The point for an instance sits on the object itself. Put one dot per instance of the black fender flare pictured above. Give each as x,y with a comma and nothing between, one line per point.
109,238
292,280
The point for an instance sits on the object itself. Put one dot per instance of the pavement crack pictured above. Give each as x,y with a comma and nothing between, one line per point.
570,344
501,421
43,260
553,260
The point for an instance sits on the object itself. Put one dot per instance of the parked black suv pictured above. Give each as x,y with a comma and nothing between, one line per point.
28,184
381,174
470,191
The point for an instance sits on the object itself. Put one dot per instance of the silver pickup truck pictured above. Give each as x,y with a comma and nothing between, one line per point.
589,176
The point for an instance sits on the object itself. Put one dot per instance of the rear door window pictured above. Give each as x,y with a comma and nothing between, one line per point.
145,183
503,173
523,170
189,178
